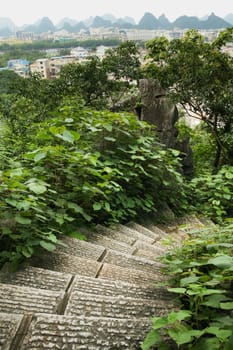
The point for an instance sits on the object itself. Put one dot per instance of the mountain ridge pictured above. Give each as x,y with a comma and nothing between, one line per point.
148,21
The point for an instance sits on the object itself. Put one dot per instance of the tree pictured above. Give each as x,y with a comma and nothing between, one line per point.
199,76
123,62
89,80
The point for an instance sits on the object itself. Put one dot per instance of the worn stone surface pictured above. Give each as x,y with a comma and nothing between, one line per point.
18,299
72,333
161,233
145,254
116,235
145,231
36,278
110,243
156,248
9,325
103,287
67,263
132,262
134,233
113,272
81,249
83,304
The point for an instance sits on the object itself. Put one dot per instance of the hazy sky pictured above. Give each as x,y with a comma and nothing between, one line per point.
28,11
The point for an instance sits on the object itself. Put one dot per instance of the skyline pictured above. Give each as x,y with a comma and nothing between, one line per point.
80,10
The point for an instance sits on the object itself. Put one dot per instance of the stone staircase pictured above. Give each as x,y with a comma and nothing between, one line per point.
97,294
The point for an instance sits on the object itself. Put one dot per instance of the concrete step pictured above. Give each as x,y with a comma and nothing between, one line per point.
89,305
9,326
104,287
36,278
62,262
85,333
144,230
157,248
110,243
18,300
115,234
81,248
132,262
118,273
134,233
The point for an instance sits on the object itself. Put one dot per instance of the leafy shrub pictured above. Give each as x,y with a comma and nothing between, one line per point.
83,166
212,194
201,275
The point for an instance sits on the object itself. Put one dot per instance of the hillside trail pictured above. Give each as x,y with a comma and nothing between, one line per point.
98,294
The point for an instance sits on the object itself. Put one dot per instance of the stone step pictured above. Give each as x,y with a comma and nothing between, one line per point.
116,235
80,248
85,333
134,233
118,273
132,262
62,262
161,232
144,230
89,305
36,278
110,243
18,300
104,287
9,325
146,254
157,248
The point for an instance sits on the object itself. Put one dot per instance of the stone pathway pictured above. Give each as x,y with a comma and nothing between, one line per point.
97,294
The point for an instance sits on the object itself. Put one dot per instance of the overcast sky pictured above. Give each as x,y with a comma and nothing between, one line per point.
29,11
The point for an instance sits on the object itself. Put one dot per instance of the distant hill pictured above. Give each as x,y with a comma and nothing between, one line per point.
148,21
165,23
229,18
215,22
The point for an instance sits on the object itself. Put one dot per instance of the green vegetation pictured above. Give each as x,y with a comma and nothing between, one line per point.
199,76
201,275
67,161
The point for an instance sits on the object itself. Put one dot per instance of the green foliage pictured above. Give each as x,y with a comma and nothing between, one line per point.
78,167
201,275
199,76
212,195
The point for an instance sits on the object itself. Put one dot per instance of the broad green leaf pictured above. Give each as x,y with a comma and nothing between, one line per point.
108,127
27,251
48,246
75,207
181,336
152,338
37,188
187,280
40,156
177,290
97,206
22,220
179,316
107,206
66,136
227,306
221,334
222,261
214,300
159,322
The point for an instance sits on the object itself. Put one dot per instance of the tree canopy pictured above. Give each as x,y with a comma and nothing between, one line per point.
199,76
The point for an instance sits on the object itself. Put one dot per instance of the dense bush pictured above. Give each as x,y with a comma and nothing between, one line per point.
82,166
212,194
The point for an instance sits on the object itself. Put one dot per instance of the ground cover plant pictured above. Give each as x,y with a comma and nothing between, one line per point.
201,275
